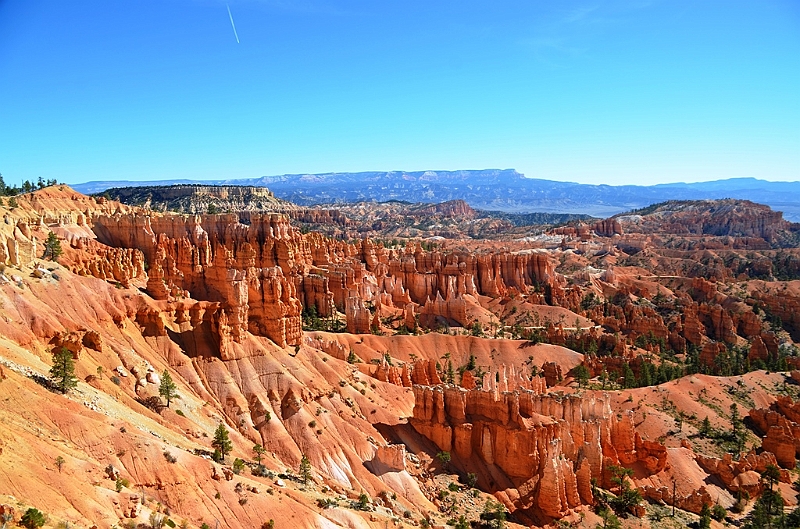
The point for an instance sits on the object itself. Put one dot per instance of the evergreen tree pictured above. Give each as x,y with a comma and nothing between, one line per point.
52,247
629,379
627,496
305,469
735,419
705,517
259,451
32,519
604,378
221,441
582,375
167,389
705,427
610,520
63,371
471,362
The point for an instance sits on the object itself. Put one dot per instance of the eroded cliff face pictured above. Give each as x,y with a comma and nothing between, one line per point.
780,425
736,218
264,272
538,452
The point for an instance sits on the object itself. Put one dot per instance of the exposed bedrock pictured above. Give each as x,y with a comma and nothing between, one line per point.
263,271
538,452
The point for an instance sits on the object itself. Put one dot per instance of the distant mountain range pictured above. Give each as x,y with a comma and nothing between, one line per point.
497,189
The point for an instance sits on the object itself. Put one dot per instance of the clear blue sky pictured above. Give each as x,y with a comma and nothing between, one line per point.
610,92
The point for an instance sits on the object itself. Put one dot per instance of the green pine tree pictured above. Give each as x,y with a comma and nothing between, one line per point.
705,427
582,375
305,469
221,441
52,247
33,519
167,389
63,371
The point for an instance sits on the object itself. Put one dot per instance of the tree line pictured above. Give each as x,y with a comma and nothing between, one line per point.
26,187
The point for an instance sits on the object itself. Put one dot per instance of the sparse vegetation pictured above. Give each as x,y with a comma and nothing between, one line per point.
221,443
167,388
52,247
305,470
32,519
63,371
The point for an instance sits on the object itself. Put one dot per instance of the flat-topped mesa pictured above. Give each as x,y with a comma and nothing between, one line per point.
163,193
548,447
729,217
193,199
452,208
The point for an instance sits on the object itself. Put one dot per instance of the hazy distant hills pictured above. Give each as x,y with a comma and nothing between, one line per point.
498,189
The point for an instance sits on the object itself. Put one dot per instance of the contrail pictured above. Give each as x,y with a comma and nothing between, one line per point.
232,24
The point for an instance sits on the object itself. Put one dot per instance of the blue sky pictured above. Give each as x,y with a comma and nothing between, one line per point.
612,92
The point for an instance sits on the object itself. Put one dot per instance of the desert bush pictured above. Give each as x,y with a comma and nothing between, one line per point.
32,519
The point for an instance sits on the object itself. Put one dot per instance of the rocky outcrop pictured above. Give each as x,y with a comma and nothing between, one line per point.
731,217
780,424
743,475
200,198
548,446
440,312
451,208
103,262
608,227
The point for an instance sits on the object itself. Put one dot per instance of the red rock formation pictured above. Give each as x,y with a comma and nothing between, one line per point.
738,218
435,313
608,227
744,474
548,446
781,425
451,208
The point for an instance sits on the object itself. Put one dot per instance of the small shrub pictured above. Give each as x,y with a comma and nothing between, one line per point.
363,503
238,466
116,380
32,519
312,424
718,512
180,412
327,503
268,525
453,487
169,457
